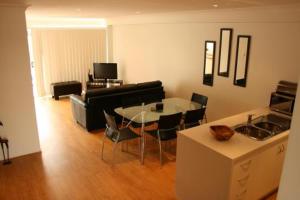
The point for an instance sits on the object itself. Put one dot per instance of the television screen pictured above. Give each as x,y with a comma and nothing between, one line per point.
105,71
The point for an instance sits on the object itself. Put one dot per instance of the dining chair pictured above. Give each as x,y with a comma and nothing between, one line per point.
166,130
193,118
117,135
201,99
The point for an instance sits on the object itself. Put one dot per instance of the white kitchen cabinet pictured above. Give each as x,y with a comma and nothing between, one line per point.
238,169
217,178
242,173
268,167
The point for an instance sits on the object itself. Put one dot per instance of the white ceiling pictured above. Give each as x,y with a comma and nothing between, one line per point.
117,8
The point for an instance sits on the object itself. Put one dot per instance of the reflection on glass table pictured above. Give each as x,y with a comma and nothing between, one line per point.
170,106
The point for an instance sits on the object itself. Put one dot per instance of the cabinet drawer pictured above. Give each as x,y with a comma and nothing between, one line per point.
241,169
243,181
241,175
239,187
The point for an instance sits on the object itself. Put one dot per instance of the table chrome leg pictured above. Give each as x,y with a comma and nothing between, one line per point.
143,143
143,135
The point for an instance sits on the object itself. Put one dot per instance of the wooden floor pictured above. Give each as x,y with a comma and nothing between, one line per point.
70,167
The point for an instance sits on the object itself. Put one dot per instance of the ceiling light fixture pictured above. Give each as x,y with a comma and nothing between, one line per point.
215,5
137,12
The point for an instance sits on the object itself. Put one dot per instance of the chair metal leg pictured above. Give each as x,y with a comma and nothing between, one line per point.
102,147
160,152
123,121
114,150
7,159
160,148
4,159
205,118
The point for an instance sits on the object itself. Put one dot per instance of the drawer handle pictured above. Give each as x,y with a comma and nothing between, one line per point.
281,149
246,166
241,195
243,181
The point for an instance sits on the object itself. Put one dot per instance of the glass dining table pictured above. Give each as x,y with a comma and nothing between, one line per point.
145,114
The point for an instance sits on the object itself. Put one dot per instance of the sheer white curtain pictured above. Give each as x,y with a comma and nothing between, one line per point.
65,55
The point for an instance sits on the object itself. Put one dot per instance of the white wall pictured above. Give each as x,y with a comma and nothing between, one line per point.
16,101
170,47
290,179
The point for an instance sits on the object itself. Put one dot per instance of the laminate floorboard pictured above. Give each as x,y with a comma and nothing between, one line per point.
69,165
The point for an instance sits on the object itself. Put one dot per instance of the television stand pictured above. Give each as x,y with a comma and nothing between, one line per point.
103,83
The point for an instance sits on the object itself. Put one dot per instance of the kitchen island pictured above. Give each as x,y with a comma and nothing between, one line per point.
240,168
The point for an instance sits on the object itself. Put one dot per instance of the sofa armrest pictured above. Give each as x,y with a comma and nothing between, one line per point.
78,109
77,99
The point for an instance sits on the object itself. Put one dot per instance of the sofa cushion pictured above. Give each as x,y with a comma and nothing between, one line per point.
150,84
66,83
111,90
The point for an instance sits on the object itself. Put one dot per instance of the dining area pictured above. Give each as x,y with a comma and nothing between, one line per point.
159,121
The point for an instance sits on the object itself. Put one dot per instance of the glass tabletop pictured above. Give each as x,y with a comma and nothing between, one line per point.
144,114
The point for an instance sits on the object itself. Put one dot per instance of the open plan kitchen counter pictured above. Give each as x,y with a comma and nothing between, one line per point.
240,168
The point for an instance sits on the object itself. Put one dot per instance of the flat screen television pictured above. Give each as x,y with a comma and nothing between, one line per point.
105,71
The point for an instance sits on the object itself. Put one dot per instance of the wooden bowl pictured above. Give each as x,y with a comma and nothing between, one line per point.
221,132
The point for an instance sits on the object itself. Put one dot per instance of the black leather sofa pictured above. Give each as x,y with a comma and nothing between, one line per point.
88,109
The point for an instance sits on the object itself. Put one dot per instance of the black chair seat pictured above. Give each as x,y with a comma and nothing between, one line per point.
126,134
163,135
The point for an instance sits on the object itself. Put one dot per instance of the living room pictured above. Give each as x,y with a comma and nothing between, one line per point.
167,45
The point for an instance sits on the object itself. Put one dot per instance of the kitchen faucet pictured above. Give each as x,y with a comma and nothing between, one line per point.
249,121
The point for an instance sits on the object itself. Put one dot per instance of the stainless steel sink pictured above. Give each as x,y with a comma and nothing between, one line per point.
269,126
283,122
253,132
263,127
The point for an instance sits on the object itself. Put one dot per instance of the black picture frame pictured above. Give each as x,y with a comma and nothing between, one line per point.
226,74
242,82
209,79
